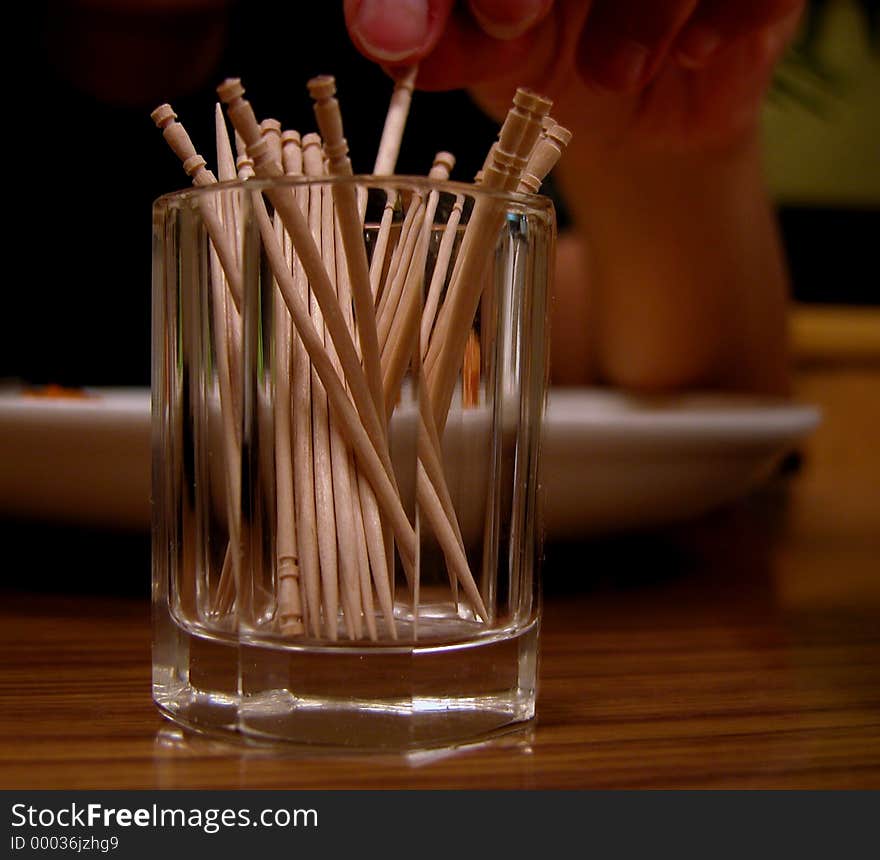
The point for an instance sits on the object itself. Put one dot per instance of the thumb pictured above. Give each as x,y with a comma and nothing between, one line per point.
396,31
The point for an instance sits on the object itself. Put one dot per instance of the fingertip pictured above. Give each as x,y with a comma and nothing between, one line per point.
395,32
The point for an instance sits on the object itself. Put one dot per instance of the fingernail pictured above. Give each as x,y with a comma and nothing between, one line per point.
624,69
526,14
697,45
391,30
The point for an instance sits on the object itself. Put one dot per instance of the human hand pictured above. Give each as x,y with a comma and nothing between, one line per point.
678,75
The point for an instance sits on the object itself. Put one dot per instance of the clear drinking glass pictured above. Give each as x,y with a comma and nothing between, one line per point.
349,378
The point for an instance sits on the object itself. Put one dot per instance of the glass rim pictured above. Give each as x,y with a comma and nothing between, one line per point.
528,200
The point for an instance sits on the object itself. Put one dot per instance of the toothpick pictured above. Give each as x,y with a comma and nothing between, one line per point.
438,277
291,152
290,609
322,89
377,262
225,158
231,217
194,165
225,594
395,122
301,406
232,334
399,327
362,561
245,166
240,112
373,555
270,129
516,140
323,472
240,145
231,220
430,505
378,550
389,296
361,422
346,534
547,152
327,113
386,161
401,344
404,237
419,230
287,572
375,463
445,353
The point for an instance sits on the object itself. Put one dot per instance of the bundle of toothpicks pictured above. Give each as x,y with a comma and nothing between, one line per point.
348,327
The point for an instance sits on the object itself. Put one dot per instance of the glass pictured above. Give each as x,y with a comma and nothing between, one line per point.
349,379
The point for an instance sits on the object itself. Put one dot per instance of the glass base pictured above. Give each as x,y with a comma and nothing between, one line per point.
379,698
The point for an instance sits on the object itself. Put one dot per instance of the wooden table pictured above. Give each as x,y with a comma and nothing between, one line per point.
739,652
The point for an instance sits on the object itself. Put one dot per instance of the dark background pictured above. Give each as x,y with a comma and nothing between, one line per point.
80,311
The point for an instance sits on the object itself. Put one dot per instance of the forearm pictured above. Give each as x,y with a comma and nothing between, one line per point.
686,278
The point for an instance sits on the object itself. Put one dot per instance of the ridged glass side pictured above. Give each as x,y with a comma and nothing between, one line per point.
346,543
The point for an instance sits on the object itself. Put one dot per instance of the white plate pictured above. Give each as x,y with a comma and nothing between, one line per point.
81,461
615,462
611,461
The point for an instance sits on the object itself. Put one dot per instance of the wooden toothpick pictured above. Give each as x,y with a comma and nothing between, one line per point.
231,221
325,504
380,250
376,464
289,597
224,271
386,161
400,324
194,165
370,544
547,152
301,407
364,429
241,114
323,90
445,354
245,166
226,172
347,536
225,158
290,610
441,269
399,266
395,122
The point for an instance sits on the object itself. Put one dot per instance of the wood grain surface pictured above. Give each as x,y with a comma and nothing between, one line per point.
742,651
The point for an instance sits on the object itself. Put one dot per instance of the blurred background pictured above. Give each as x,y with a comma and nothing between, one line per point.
822,143
94,69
